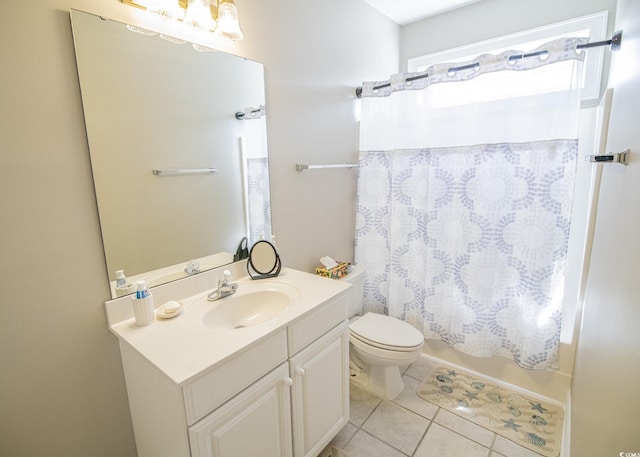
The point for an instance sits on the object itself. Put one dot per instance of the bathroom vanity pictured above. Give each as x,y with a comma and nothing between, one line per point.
263,372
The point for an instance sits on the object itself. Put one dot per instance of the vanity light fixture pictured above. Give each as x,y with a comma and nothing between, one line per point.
218,16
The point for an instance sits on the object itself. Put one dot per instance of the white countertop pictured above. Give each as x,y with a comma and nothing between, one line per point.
182,347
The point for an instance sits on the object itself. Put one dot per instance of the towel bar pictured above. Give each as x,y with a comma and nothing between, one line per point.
191,171
301,167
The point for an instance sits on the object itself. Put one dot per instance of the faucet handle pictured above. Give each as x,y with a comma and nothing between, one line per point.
225,277
193,267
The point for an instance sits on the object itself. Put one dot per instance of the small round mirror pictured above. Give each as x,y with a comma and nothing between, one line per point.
264,260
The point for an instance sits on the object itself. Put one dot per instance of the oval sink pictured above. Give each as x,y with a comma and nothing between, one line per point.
247,308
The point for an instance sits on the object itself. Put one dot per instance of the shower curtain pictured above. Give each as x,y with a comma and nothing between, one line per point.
464,199
259,199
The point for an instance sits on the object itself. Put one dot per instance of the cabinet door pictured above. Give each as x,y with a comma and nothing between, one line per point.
320,395
257,422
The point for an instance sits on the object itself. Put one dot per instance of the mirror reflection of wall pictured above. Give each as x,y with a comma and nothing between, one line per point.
153,104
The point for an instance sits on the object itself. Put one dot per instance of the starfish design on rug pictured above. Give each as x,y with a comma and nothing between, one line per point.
538,407
470,395
511,424
452,373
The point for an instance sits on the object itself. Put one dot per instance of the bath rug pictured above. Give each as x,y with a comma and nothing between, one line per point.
524,420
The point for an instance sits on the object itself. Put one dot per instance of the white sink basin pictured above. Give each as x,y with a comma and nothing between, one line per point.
253,304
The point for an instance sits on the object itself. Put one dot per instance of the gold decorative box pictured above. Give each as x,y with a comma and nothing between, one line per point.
337,272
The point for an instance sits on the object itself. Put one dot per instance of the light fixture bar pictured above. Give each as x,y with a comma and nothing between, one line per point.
222,18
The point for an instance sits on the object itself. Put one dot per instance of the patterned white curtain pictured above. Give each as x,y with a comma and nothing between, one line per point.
464,200
259,200
256,179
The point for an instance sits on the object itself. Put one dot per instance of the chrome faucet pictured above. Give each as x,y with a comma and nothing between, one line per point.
225,287
192,268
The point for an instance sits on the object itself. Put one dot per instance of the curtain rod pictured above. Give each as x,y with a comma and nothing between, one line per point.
614,44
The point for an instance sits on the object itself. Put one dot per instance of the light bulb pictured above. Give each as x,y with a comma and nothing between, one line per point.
198,14
169,9
228,24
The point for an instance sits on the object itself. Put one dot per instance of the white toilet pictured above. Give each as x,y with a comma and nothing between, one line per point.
379,344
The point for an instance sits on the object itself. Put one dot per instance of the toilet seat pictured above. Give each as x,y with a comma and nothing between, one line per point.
384,347
385,332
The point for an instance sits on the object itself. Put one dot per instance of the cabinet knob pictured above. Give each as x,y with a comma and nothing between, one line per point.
288,381
300,371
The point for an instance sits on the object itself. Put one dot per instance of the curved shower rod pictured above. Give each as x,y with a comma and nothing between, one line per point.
614,44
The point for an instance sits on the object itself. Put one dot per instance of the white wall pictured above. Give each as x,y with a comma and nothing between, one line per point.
62,392
605,397
315,54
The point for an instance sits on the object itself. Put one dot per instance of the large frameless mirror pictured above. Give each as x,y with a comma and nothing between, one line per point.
178,145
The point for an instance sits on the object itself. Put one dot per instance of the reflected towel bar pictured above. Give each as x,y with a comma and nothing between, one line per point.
190,171
301,167
614,157
251,113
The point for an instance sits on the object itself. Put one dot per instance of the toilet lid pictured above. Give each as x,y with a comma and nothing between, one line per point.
385,331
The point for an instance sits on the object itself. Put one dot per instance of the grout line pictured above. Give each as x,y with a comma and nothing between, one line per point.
424,435
388,444
493,442
467,436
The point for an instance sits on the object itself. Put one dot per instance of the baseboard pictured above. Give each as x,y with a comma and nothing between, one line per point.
565,451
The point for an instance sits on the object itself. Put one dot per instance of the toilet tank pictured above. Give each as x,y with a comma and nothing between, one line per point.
356,291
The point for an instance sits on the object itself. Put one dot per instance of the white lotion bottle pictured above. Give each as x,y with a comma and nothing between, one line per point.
143,305
122,286
121,279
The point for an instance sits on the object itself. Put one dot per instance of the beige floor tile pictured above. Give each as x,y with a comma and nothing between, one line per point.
409,399
396,426
421,368
343,436
361,404
465,427
441,442
365,445
332,451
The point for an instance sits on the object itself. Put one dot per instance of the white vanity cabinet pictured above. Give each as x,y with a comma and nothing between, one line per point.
320,391
256,422
285,394
309,396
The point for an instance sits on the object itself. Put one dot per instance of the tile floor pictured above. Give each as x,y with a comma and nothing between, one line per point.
410,426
